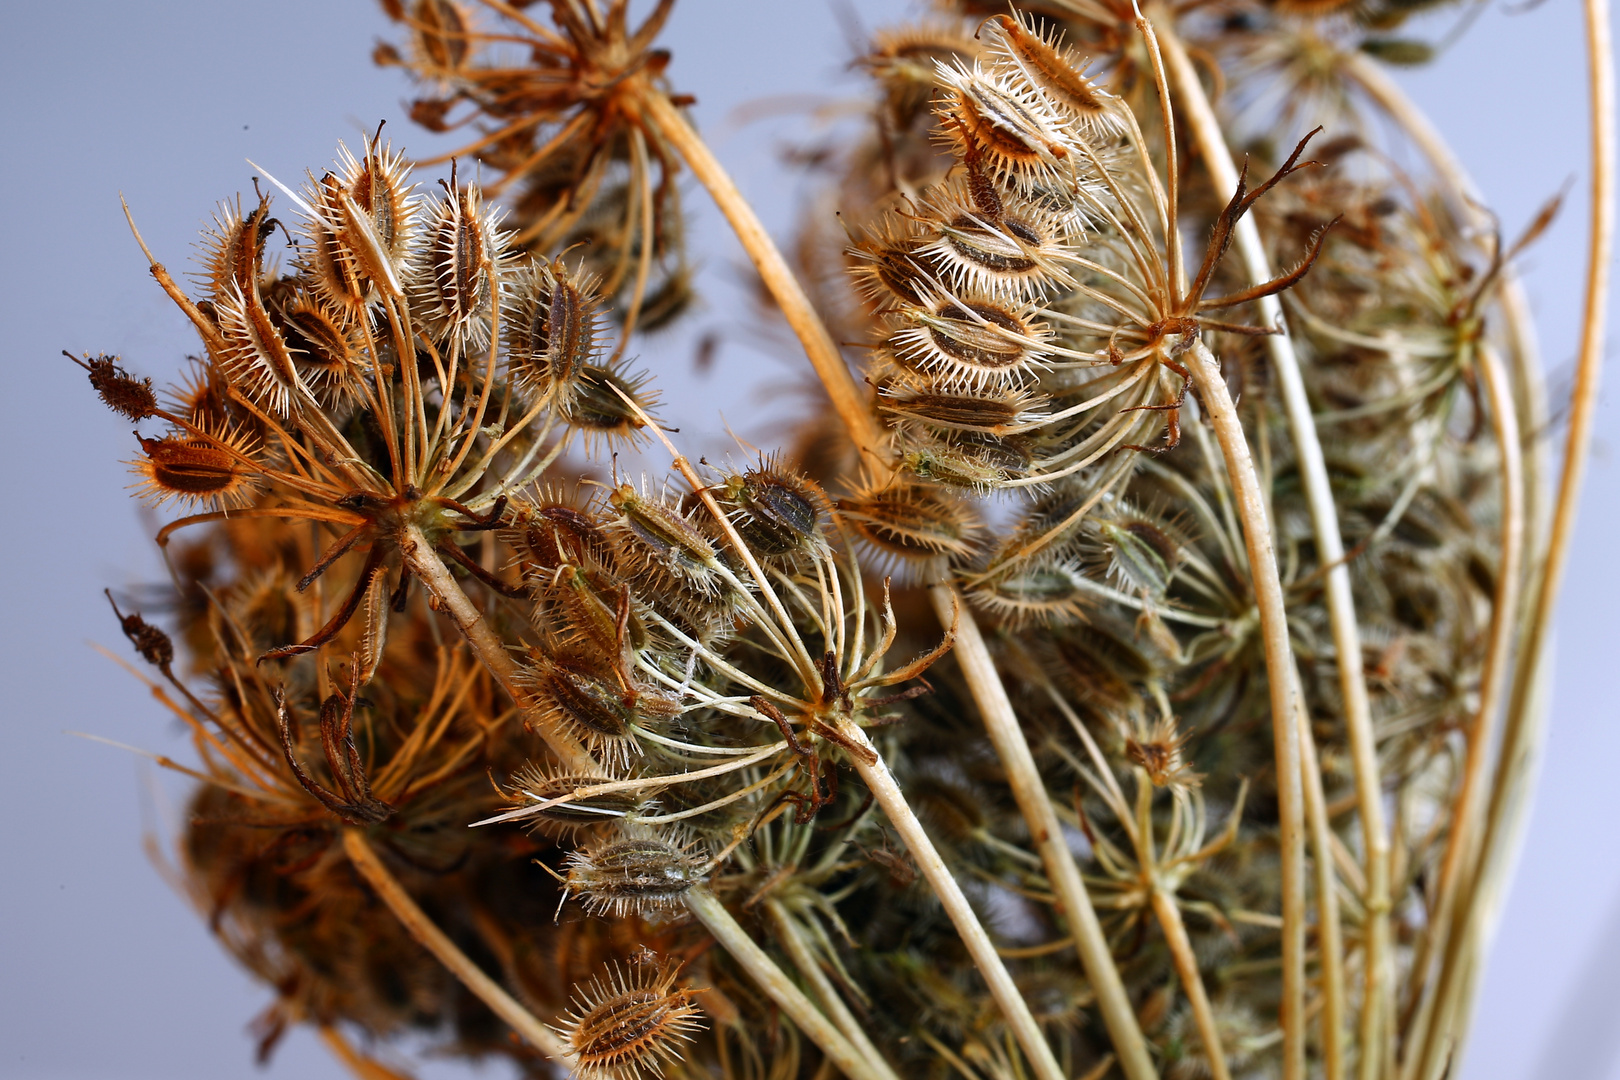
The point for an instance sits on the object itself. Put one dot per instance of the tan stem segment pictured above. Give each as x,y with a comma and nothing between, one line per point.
1181,953
426,565
780,989
1001,723
431,938
825,357
362,1066
1329,934
1014,1009
1457,921
1268,594
1380,972
792,939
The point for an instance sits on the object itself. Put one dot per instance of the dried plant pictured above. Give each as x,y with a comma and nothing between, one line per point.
1131,673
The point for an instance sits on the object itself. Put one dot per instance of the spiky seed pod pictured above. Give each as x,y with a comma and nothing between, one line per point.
906,59
889,265
1142,555
257,360
638,870
233,250
990,411
1042,593
199,397
777,513
599,410
538,785
129,397
552,533
458,265
360,240
910,522
441,38
551,333
630,1026
969,344
194,470
1012,253
1005,121
652,535
1040,57
323,348
599,707
969,460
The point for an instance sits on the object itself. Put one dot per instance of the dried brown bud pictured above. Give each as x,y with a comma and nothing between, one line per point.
122,392
153,644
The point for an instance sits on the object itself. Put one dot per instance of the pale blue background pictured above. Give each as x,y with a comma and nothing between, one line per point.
103,971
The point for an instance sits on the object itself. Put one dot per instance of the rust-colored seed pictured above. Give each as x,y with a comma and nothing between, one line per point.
1051,69
336,271
189,469
442,32
318,343
628,1027
120,391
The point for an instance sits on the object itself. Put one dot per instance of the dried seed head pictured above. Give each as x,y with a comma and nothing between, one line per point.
1159,755
551,333
120,391
1040,57
638,871
989,411
536,785
629,1027
979,463
257,360
193,470
1044,594
599,706
652,535
361,242
152,643
323,348
969,344
912,523
599,410
777,513
889,265
1007,122
1012,255
457,266
233,250
552,533
906,61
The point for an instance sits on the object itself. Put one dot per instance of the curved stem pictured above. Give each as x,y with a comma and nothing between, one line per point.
363,1067
1329,933
793,941
1380,972
425,564
1268,594
825,357
1014,1009
779,988
431,938
1001,724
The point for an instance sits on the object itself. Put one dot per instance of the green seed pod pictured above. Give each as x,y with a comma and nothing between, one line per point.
912,523
777,514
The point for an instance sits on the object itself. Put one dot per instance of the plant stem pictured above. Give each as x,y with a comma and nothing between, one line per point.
1329,934
1268,594
779,988
825,357
1014,1009
362,1066
431,938
791,939
1001,724
1181,952
1379,963
425,564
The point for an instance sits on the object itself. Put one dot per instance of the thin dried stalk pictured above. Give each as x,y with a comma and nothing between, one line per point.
1380,973
1181,953
419,556
780,989
1329,932
431,938
832,1002
847,399
1014,1009
1001,723
1251,508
